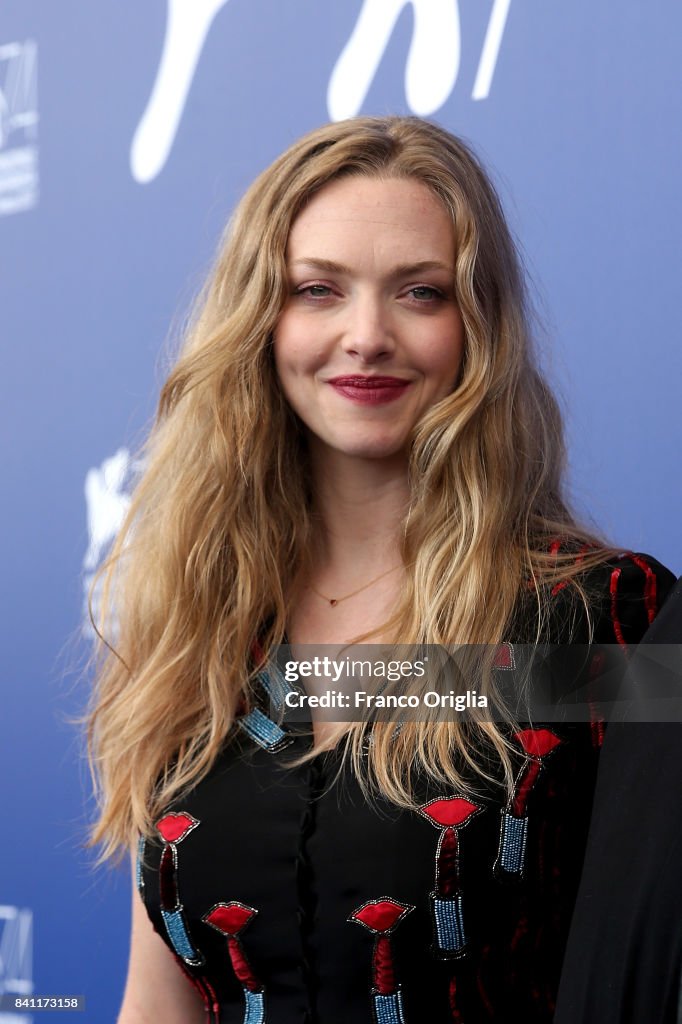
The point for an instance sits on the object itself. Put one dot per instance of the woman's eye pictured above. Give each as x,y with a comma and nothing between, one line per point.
314,291
424,293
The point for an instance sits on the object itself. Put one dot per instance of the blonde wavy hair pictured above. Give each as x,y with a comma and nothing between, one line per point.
220,521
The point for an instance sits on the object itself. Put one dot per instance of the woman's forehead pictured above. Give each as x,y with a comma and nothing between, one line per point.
354,213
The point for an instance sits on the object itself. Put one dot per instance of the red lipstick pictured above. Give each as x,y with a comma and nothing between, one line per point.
372,390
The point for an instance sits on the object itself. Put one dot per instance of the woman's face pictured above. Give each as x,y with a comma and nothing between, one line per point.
371,335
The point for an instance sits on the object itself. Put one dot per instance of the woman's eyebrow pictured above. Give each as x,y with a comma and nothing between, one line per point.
318,263
403,270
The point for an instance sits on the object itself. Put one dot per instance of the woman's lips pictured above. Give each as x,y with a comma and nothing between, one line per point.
370,390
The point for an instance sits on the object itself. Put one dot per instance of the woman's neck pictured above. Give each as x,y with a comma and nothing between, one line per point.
354,577
359,507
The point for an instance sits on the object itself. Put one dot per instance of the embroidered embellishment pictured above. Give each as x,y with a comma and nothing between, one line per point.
596,721
650,585
650,598
173,828
381,917
230,919
455,1015
448,814
511,857
139,877
615,618
274,683
504,658
262,729
554,550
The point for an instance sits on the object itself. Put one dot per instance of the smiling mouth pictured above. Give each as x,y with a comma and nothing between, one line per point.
369,382
370,390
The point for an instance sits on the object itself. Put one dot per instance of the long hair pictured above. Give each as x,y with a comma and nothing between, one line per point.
221,520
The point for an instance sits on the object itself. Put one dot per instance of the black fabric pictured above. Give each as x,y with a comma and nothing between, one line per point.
624,955
305,849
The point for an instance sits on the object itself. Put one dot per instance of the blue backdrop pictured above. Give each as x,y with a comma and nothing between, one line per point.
127,133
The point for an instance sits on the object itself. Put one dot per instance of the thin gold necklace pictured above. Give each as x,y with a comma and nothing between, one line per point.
333,601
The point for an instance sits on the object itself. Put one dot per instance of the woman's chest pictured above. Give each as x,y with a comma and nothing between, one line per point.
322,881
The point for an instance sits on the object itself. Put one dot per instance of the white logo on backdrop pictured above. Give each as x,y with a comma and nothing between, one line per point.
430,74
18,126
107,496
16,958
187,25
432,60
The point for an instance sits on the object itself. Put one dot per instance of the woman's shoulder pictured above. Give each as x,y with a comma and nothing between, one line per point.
612,598
626,592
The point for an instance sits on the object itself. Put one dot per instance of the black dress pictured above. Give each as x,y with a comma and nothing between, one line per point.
287,897
624,955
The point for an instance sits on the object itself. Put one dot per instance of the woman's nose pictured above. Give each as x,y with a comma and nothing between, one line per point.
368,331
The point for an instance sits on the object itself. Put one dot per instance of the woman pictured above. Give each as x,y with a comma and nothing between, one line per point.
354,443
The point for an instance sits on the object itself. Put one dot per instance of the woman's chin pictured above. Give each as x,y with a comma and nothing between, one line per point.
374,449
